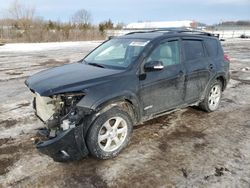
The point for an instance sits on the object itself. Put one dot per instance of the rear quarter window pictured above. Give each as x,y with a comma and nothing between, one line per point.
212,47
193,49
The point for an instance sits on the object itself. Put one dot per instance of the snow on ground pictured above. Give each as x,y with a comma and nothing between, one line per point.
31,47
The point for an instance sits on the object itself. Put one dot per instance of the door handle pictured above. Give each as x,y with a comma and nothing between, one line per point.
211,66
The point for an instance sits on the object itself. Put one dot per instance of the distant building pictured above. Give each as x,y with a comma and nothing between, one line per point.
161,25
151,26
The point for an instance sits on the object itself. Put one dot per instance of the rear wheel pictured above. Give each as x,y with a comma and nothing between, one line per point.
212,98
109,134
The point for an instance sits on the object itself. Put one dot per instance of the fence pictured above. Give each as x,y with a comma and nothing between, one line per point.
226,34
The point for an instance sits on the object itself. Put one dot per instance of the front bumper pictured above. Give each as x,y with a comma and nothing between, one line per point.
67,146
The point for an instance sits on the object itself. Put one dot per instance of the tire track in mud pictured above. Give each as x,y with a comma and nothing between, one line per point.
242,76
11,152
41,171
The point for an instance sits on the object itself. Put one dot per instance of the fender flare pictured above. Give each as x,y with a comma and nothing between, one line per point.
215,77
127,97
113,100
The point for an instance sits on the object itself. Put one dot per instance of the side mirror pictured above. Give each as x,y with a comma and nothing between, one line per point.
153,66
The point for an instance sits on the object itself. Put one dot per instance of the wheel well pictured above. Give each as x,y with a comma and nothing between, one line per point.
125,104
223,81
128,106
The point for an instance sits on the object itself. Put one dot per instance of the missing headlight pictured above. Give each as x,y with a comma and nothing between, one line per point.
59,111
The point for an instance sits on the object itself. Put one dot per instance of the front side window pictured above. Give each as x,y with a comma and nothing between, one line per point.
193,49
167,53
117,53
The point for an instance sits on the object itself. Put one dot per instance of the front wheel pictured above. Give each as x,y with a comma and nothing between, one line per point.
109,134
212,98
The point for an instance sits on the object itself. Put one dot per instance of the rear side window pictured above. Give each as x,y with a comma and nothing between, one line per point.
193,49
212,47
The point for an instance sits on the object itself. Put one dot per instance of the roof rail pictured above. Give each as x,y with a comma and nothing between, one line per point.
187,30
130,33
157,30
176,30
172,29
198,32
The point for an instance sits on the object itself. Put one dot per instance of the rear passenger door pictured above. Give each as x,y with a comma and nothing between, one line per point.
197,68
214,56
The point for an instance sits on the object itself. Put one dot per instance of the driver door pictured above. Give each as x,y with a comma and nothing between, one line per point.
162,90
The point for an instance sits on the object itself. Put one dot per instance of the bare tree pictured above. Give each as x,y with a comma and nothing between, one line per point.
19,11
82,18
20,24
24,15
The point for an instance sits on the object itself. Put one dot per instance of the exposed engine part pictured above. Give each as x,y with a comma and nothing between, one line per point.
44,107
66,124
58,112
52,133
53,123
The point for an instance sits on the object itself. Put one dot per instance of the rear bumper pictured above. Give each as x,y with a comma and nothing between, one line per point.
67,146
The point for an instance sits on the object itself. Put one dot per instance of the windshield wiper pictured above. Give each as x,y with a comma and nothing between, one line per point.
96,64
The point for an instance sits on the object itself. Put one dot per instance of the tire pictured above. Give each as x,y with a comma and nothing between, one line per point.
212,98
109,134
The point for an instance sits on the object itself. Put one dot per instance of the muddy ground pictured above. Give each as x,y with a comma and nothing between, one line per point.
188,148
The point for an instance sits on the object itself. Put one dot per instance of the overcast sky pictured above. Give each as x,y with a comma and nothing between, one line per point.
207,11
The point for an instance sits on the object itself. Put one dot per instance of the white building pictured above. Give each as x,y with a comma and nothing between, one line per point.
151,26
161,25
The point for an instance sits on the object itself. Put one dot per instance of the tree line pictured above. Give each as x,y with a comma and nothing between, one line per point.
20,24
235,23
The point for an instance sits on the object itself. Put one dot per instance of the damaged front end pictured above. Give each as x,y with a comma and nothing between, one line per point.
64,137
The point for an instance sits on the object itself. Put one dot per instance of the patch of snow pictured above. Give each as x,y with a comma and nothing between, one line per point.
31,47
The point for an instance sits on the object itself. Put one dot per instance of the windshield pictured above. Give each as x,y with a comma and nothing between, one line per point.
116,53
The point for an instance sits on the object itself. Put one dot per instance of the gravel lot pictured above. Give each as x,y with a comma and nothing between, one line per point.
187,148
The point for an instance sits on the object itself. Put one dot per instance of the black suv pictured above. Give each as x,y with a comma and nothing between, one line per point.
92,105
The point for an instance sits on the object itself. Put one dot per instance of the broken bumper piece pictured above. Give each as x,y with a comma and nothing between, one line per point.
66,146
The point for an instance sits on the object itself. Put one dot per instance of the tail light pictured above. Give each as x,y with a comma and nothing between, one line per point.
226,58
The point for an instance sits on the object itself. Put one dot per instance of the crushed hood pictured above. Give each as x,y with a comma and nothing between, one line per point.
68,78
